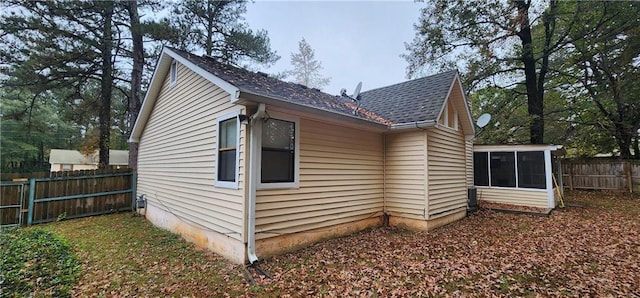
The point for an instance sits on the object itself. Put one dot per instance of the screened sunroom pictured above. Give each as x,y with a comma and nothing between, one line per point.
519,175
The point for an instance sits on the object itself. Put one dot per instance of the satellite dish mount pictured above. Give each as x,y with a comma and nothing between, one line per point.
354,96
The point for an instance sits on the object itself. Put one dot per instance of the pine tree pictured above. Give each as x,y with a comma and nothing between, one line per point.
306,69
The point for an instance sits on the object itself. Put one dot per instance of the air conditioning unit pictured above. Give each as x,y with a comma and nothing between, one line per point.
472,199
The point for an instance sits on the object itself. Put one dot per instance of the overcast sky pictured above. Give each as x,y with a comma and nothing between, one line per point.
355,41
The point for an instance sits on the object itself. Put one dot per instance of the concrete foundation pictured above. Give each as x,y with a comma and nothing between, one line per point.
289,242
224,245
425,225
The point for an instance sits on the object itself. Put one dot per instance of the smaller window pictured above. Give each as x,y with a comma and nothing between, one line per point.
173,73
278,151
66,167
227,151
279,157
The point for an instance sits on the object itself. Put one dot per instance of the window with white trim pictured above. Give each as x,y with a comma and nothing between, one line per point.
228,130
173,72
279,154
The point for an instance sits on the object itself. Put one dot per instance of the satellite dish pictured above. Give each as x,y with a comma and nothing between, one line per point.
483,120
357,91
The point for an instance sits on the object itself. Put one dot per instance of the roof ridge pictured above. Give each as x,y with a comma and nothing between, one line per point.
412,81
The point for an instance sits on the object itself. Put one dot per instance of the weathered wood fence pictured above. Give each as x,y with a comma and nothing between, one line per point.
605,174
49,196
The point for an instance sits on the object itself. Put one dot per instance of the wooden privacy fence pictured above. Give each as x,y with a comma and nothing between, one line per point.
609,174
45,197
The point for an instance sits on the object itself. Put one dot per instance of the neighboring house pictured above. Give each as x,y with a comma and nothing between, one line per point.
73,160
518,175
247,165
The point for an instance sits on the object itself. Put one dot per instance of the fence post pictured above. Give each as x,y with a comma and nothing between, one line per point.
134,182
32,195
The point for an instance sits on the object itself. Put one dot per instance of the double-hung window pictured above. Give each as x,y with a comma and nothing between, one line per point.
227,151
279,161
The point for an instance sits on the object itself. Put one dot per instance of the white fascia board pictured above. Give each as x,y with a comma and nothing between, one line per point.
466,106
159,71
224,85
514,147
456,82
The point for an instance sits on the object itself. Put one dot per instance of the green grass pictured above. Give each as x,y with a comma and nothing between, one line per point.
123,253
34,263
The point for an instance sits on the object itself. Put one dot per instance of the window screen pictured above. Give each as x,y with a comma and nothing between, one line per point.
503,169
278,151
227,150
481,168
531,169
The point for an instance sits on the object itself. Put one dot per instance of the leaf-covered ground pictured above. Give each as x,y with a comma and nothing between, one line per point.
588,250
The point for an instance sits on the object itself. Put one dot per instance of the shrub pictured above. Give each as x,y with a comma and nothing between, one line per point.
35,262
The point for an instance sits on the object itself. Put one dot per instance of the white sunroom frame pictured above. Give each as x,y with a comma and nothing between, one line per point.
548,151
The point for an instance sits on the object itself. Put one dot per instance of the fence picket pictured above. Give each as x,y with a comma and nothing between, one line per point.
603,174
74,194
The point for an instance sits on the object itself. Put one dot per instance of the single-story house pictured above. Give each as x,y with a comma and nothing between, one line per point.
515,176
74,160
250,166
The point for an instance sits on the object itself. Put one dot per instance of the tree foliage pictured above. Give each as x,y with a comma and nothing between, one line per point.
31,124
67,45
306,69
493,42
90,59
218,29
570,63
602,70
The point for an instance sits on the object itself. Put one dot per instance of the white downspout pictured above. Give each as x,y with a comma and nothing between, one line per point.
254,149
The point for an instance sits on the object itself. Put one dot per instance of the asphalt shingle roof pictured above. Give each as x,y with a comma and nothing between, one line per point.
261,84
407,102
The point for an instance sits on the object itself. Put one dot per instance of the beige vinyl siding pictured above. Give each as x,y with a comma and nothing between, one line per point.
469,162
520,196
341,180
177,157
405,159
446,160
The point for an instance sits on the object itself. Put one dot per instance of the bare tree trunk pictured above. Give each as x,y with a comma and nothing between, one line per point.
534,97
136,77
106,85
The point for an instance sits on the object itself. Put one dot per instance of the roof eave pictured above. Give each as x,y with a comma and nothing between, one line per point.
413,125
245,97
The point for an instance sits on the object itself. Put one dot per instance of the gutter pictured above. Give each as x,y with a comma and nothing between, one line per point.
244,97
254,138
412,125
